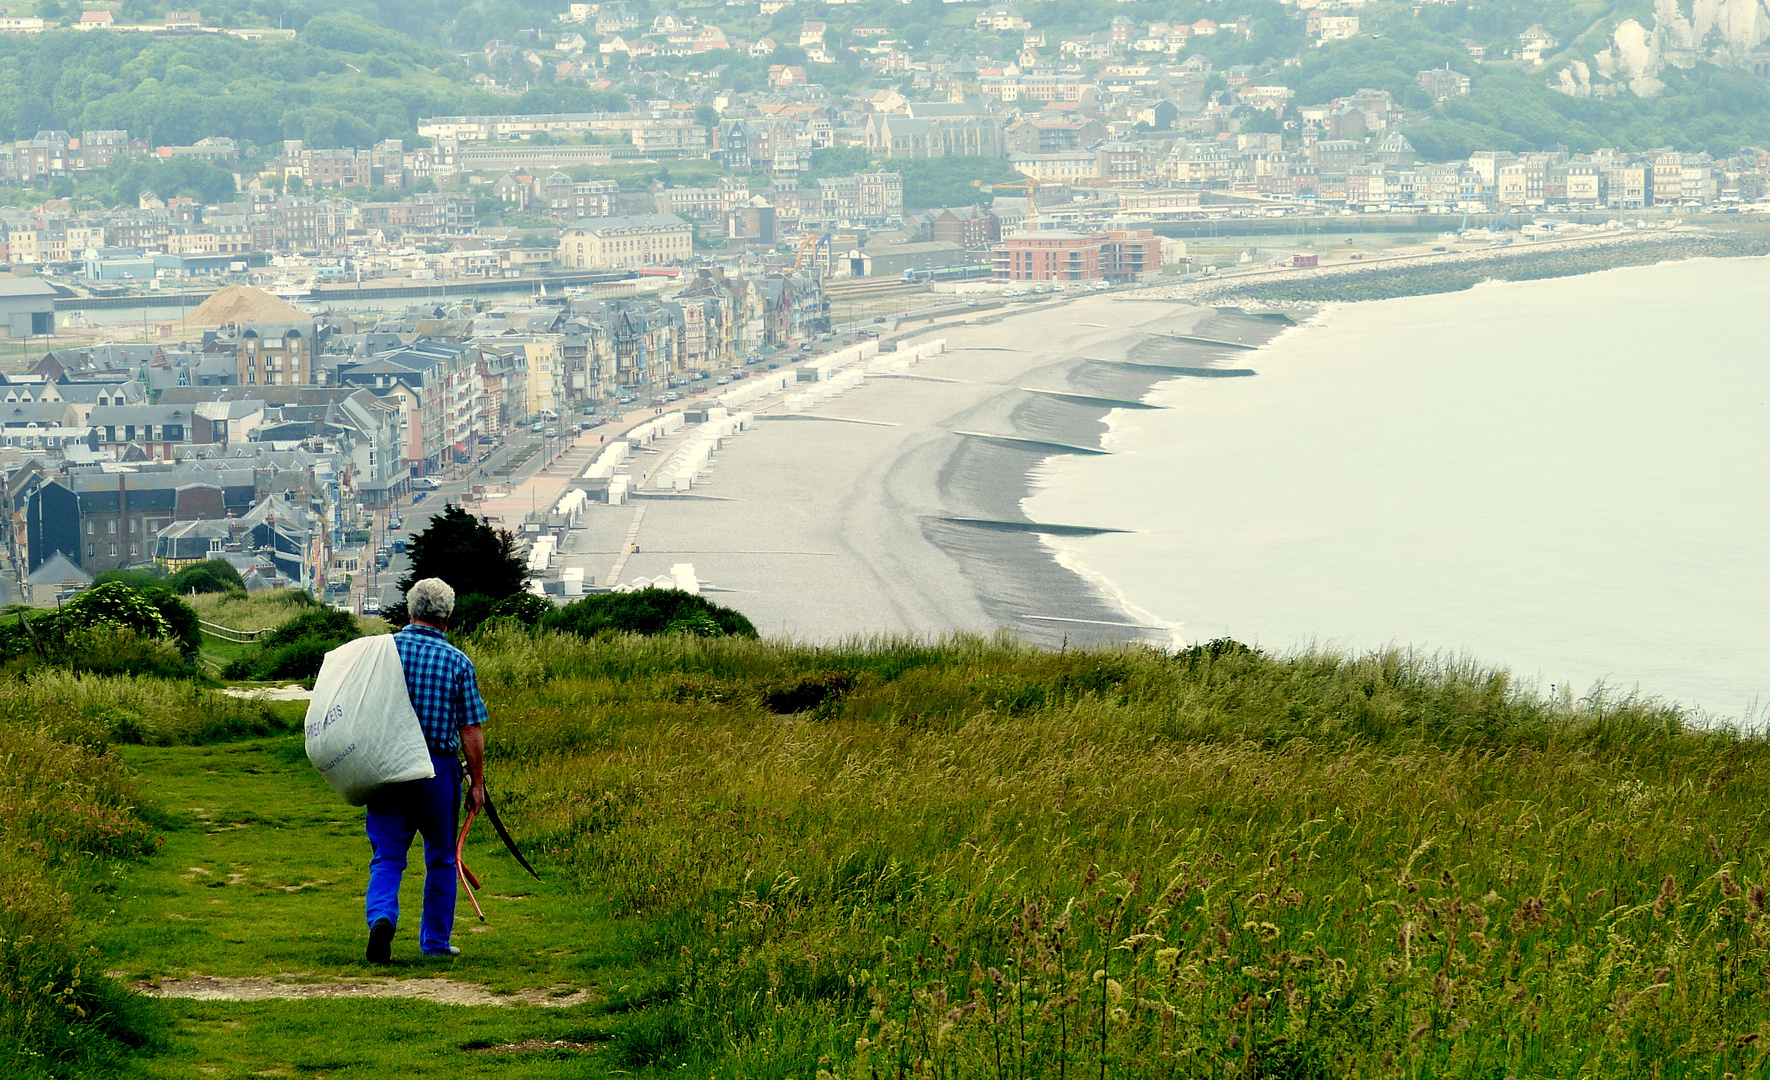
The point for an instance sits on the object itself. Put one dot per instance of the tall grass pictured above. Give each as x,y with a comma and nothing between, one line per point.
68,813
66,809
99,709
251,611
971,858
264,610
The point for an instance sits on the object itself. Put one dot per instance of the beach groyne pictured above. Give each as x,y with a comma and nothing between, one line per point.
983,483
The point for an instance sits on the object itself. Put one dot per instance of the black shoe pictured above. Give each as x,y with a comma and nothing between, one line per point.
381,942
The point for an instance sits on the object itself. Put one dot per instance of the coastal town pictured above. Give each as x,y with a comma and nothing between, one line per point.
929,539
276,374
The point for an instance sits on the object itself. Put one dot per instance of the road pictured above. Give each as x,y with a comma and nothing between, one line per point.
417,513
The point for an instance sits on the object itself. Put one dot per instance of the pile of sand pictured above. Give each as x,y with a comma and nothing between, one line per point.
244,304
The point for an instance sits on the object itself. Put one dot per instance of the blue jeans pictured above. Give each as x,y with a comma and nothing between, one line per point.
395,813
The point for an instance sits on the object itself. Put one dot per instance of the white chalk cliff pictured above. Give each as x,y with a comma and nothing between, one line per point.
1724,32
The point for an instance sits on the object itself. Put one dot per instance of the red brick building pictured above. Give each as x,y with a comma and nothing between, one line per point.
1056,255
1125,253
970,227
1051,255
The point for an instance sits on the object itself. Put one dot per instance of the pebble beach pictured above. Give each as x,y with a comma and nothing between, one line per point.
895,507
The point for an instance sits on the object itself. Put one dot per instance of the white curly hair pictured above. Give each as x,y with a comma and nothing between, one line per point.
430,600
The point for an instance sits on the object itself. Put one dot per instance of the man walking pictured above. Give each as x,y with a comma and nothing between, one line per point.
445,695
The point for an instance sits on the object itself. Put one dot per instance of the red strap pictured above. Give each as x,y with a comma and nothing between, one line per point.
468,880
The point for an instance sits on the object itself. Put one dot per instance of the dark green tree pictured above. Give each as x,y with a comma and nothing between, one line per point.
474,558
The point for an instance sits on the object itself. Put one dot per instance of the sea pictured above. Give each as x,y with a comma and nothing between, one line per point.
1567,478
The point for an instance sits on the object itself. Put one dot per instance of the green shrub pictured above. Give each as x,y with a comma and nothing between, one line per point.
525,607
180,617
648,612
114,604
323,622
299,659
108,650
208,576
110,628
296,649
135,579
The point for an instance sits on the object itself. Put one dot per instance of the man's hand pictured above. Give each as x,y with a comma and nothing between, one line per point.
473,747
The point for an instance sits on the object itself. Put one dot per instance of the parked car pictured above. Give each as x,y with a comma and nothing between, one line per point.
723,380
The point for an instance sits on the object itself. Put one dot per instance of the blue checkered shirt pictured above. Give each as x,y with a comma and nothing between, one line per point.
440,680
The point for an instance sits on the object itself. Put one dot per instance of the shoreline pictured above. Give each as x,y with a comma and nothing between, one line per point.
1544,476
1009,568
899,507
1394,276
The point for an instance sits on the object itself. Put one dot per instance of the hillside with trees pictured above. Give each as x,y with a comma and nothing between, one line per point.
343,82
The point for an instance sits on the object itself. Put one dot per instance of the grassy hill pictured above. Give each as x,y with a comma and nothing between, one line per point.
967,858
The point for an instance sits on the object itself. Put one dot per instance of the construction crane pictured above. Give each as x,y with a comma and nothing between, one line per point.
1031,188
811,243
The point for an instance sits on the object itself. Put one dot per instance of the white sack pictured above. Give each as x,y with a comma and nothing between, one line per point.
362,733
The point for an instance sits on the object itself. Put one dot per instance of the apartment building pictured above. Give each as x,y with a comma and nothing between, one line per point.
625,243
567,200
1069,167
436,387
1049,255
280,354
